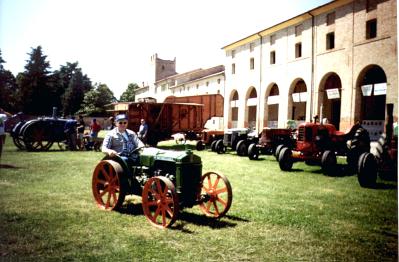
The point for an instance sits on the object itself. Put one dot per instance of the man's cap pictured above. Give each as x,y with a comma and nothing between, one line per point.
120,117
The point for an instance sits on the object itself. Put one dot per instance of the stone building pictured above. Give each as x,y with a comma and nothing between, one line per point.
338,61
164,81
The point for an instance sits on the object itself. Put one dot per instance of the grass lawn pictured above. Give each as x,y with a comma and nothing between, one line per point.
48,213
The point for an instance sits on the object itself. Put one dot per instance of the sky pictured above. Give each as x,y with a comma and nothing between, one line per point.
113,41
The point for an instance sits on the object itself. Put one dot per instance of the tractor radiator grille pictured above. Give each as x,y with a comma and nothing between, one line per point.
301,134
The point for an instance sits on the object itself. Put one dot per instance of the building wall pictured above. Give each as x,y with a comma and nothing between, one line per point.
350,58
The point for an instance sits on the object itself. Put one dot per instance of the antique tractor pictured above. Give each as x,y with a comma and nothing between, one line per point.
167,181
39,134
238,139
208,138
321,143
383,160
270,140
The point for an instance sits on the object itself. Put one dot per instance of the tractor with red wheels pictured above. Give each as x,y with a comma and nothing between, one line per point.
383,160
167,182
318,143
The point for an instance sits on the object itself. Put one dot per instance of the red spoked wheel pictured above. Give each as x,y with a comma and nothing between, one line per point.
218,189
108,185
160,202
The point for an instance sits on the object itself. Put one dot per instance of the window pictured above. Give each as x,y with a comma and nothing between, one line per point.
298,50
207,83
233,53
252,63
251,47
331,18
272,57
197,86
218,80
330,41
298,30
371,5
233,69
272,39
371,29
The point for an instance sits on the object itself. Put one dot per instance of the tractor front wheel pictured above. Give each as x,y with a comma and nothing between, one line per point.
367,170
329,162
217,187
108,185
160,202
241,148
285,160
253,152
200,146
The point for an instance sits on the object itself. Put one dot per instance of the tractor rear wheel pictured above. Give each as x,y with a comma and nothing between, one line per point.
285,160
253,152
329,162
217,187
367,170
109,185
241,148
160,202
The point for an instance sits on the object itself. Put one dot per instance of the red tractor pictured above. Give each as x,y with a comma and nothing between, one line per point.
318,143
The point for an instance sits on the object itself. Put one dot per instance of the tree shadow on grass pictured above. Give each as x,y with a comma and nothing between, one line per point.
9,166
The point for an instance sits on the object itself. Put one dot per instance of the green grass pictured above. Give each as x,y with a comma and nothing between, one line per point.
48,213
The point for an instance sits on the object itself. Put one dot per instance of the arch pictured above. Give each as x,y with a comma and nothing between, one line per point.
329,98
251,107
370,101
297,99
233,109
272,105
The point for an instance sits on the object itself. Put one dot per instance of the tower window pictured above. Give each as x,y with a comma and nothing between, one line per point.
233,69
272,57
330,41
252,63
331,18
298,50
371,29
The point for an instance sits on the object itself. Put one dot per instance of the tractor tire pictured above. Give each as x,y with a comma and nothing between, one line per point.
241,148
277,151
213,145
329,163
219,147
360,143
367,170
285,160
387,165
253,152
199,146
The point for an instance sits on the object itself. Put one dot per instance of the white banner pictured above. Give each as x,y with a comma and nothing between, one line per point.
333,93
380,89
252,101
234,103
272,100
366,90
300,97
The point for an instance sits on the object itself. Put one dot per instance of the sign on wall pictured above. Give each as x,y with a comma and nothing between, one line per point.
333,93
380,89
272,100
300,97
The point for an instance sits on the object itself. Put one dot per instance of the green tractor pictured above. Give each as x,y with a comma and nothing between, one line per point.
167,181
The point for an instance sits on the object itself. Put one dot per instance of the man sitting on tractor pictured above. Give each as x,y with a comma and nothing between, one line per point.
122,142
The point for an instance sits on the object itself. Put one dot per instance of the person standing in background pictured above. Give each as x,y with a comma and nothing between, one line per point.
143,130
81,129
94,129
3,117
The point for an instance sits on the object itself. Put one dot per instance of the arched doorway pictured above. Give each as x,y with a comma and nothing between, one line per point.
370,108
272,103
233,109
330,99
297,102
251,108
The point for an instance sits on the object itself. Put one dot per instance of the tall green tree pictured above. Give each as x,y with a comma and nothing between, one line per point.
36,95
128,95
95,100
7,89
70,86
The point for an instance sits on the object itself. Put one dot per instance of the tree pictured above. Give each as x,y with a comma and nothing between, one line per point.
74,84
36,95
128,95
95,100
8,88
